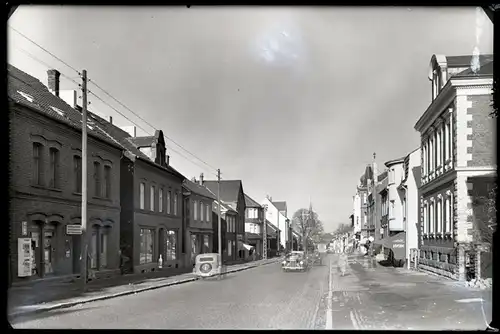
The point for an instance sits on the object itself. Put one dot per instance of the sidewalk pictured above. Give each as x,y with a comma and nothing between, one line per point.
22,301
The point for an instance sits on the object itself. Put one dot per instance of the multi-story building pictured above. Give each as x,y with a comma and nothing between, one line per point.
197,216
46,185
410,200
457,140
229,219
362,194
254,221
277,216
232,195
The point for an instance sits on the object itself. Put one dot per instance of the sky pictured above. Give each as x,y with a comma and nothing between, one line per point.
292,101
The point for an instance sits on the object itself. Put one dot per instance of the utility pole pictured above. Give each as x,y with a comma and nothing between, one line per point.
84,250
264,234
279,235
219,222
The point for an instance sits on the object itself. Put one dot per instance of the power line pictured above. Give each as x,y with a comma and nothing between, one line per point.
74,69
41,47
142,119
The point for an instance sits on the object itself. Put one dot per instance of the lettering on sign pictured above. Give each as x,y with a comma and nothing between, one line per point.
24,229
73,229
398,246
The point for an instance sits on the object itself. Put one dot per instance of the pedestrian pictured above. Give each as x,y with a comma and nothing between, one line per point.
342,263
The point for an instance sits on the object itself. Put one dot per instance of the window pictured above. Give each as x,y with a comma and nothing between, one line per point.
449,213
169,203
424,162
142,190
201,211
152,198
431,218
54,168
195,210
97,179
147,245
432,153
208,212
175,204
77,164
104,248
391,210
439,216
107,181
439,145
428,158
93,249
426,218
449,140
229,248
37,164
160,200
228,225
206,244
171,245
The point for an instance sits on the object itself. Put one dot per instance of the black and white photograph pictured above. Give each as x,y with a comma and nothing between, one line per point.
251,167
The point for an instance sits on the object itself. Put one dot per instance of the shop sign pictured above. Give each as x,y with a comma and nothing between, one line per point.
398,243
25,257
73,229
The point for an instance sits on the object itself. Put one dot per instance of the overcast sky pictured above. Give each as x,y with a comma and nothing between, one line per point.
292,101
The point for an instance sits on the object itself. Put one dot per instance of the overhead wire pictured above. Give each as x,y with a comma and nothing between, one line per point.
111,96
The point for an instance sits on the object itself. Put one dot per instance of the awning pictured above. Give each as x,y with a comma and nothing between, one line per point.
244,246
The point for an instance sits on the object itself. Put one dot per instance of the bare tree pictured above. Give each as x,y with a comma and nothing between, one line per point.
306,222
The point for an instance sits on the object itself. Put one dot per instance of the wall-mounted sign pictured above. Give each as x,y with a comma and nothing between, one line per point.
73,229
24,256
24,229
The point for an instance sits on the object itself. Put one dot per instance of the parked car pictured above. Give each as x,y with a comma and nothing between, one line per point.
295,261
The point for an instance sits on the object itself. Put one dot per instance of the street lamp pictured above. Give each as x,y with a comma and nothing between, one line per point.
264,234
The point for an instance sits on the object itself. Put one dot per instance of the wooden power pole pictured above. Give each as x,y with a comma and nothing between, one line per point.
84,249
264,234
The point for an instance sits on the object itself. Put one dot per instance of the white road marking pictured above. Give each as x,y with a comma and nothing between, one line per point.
329,313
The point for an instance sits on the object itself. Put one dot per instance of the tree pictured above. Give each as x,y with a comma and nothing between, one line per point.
343,228
306,222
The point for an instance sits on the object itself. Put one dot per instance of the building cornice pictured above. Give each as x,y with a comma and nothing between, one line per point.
454,87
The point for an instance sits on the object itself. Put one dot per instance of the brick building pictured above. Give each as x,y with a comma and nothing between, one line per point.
151,201
45,184
232,195
457,140
198,220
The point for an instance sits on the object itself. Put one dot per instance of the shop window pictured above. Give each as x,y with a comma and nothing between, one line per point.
171,245
206,244
93,249
35,246
193,246
48,247
147,245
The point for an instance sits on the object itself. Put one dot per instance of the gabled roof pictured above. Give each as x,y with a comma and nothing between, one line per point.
28,91
198,189
224,208
229,189
250,203
281,206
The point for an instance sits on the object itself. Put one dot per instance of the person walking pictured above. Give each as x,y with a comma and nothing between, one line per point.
342,262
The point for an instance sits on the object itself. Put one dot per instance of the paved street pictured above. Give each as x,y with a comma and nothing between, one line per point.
262,297
367,297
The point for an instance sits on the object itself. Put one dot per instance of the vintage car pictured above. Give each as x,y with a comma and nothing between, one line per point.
295,261
207,265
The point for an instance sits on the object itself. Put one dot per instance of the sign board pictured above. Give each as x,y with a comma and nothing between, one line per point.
73,229
24,229
24,257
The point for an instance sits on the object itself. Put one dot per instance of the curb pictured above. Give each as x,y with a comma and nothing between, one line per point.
120,294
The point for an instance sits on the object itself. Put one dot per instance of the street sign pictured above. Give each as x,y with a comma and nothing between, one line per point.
73,229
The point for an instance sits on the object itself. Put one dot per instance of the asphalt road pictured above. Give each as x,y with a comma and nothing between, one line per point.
374,297
262,297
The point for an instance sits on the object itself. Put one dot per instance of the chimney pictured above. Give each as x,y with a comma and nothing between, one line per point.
111,119
53,81
201,179
168,160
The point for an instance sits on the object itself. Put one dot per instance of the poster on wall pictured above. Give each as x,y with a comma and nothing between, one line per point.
24,256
